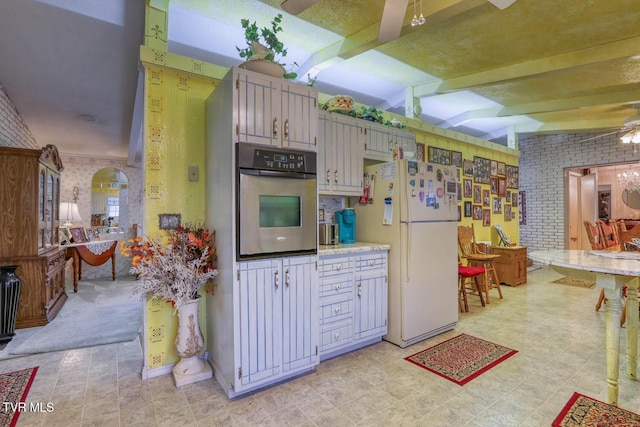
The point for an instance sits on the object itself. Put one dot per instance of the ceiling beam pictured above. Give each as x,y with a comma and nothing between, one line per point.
535,68
366,39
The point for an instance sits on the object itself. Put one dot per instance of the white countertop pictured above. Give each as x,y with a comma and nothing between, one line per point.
345,248
611,262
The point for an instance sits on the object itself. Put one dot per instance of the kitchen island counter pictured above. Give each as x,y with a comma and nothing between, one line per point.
344,248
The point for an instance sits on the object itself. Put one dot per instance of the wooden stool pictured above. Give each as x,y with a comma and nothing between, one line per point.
465,273
490,279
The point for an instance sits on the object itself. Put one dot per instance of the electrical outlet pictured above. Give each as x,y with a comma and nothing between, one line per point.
194,173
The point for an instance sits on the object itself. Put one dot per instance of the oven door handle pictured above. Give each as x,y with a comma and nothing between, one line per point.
277,174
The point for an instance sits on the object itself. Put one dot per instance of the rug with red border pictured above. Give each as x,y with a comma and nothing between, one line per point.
461,358
14,387
583,411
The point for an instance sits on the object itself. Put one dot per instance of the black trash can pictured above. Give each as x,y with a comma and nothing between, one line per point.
10,286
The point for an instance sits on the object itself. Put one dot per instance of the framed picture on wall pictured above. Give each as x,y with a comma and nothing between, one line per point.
467,168
494,185
477,194
486,201
481,170
419,151
477,212
501,169
514,199
507,213
497,205
502,186
468,192
507,197
467,210
456,158
486,217
512,176
459,188
438,155
459,213
494,168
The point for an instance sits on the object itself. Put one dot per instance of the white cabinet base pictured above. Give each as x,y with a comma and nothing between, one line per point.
346,349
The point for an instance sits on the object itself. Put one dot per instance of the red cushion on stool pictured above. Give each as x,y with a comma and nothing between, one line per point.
468,271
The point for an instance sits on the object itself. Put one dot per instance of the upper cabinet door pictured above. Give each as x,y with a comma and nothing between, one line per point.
347,137
258,109
276,112
325,161
377,141
299,116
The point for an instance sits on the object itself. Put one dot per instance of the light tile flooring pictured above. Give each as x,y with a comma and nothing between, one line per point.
558,335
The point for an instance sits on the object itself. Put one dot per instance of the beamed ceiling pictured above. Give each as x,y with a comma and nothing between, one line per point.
538,66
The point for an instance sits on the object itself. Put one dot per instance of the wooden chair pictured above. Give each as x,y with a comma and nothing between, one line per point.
468,284
475,258
609,234
593,234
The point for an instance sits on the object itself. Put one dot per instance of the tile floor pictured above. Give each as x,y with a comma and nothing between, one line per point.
559,336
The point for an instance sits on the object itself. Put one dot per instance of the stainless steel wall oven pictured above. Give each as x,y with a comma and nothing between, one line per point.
276,201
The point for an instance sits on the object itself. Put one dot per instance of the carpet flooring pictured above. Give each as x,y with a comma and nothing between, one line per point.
14,387
583,411
461,358
101,312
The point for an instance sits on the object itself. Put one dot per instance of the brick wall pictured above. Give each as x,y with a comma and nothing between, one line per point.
542,165
13,130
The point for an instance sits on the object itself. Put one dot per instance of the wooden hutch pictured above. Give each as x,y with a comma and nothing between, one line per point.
29,230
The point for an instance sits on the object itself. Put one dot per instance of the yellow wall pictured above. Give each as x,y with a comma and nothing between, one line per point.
174,140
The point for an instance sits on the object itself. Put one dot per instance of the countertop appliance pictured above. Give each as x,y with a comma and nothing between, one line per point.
414,209
346,220
328,234
276,202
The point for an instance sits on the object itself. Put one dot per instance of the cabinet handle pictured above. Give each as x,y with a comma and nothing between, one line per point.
328,175
286,277
372,262
337,336
359,289
337,287
286,128
339,267
335,176
275,127
275,279
337,309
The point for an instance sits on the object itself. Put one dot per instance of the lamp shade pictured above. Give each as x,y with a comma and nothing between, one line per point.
69,212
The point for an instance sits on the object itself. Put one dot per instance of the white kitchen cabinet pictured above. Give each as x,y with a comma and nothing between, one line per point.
371,295
275,112
353,301
278,320
340,154
380,140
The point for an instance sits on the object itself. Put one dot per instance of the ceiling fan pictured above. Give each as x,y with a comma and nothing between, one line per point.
392,15
630,130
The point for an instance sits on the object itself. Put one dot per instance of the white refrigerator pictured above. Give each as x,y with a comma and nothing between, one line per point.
413,208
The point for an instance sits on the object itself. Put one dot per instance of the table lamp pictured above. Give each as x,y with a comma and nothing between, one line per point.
69,212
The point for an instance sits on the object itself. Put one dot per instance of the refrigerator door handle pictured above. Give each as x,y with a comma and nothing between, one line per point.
407,257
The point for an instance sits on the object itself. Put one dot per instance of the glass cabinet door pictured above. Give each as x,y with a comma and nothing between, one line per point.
41,208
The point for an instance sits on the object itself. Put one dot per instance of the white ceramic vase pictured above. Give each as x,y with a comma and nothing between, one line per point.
189,341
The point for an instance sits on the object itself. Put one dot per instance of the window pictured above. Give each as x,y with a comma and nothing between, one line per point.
113,207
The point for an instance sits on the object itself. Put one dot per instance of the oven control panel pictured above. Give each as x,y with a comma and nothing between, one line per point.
252,156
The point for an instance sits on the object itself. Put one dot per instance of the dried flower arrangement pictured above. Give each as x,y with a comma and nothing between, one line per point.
177,271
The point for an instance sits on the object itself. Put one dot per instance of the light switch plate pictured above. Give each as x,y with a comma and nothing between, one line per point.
194,173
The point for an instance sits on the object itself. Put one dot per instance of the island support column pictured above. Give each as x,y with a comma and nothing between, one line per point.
632,328
612,286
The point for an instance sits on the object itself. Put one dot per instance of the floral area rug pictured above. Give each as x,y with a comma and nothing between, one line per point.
461,358
572,281
14,387
583,411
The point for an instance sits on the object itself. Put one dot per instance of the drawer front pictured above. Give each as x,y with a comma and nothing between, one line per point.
334,309
372,261
341,285
335,336
335,266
